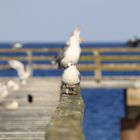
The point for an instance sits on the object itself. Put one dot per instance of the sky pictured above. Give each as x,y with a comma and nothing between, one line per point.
54,20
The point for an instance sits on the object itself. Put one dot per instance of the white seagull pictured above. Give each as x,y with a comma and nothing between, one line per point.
72,51
3,94
12,85
10,105
3,91
17,45
22,71
71,75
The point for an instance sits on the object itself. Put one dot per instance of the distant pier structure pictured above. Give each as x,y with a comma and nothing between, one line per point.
43,114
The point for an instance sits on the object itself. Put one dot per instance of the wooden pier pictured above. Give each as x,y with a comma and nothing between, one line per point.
38,120
29,120
50,115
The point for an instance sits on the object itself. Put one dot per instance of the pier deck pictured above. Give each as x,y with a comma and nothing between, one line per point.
29,120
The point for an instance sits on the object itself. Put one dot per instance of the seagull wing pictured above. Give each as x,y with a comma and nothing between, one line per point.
63,51
28,71
60,55
18,66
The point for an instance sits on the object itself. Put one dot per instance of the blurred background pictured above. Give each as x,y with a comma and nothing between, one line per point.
49,23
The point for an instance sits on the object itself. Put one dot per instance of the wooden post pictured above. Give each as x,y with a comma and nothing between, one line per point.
130,129
29,55
66,123
98,73
130,125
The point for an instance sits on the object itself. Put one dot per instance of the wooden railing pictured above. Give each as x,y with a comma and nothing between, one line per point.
97,58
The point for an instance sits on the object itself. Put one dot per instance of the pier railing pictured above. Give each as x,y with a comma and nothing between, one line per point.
101,59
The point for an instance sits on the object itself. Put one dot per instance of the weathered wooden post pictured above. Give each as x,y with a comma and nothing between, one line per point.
98,72
29,58
130,125
66,123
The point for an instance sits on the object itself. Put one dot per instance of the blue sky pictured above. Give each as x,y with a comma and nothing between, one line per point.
54,20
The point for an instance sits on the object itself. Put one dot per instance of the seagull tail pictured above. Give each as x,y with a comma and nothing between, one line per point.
60,66
55,60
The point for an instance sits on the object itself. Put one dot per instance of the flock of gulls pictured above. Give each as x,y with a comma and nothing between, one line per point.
66,59
23,73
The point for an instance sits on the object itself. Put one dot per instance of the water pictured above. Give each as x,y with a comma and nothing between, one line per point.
61,45
103,107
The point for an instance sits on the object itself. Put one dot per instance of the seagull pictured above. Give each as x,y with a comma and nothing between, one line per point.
17,45
71,75
12,85
71,52
10,105
3,91
3,94
22,71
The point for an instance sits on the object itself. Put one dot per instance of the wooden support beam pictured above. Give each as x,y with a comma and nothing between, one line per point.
108,58
130,125
98,72
133,103
29,58
89,67
86,49
66,123
133,97
130,129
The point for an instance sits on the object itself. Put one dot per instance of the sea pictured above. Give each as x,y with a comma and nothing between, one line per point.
104,108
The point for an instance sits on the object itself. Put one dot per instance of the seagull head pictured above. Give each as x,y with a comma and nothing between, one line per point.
77,32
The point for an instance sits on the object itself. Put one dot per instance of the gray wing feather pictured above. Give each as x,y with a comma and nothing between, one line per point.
60,56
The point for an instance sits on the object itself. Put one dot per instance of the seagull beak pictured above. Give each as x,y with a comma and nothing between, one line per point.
81,40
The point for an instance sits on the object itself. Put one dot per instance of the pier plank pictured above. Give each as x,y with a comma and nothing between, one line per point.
29,120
